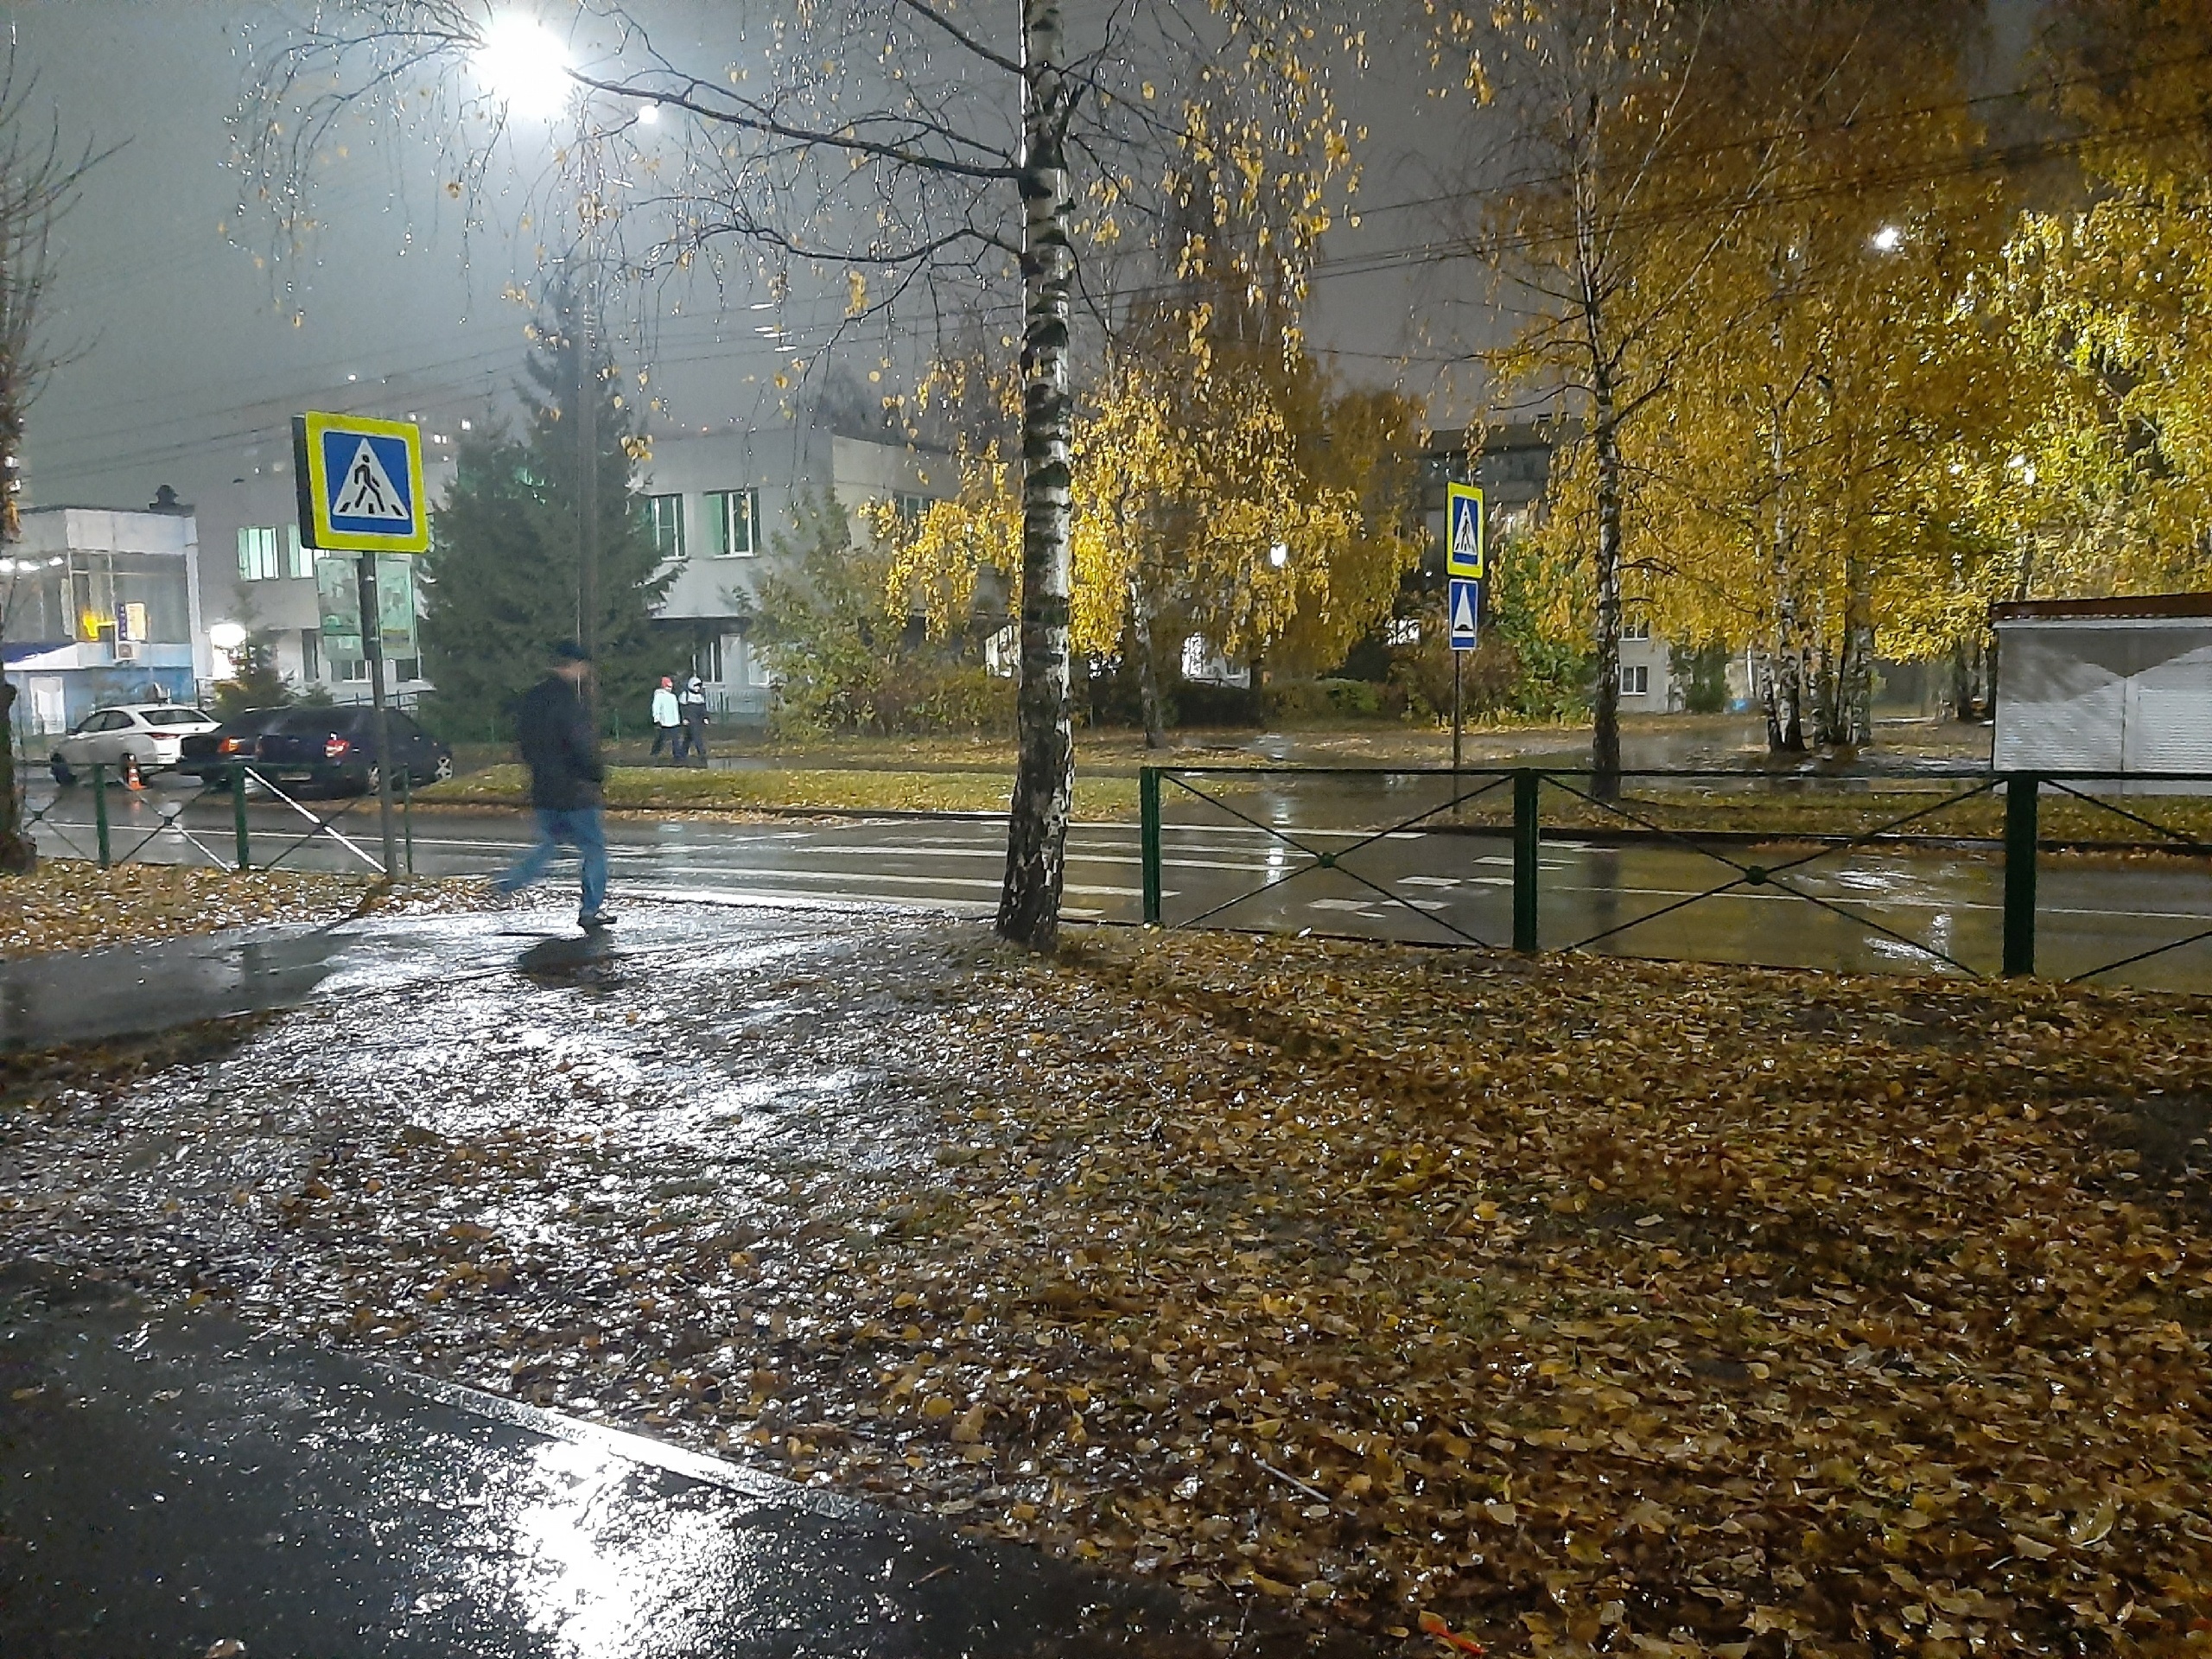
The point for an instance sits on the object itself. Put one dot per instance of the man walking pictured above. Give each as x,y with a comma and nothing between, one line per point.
668,721
693,703
560,744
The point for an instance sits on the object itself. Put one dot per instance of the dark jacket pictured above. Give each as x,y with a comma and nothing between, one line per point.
560,744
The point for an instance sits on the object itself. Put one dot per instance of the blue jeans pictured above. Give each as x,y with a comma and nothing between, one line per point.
580,828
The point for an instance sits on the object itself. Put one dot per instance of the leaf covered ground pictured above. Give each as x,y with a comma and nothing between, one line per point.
1579,1306
73,904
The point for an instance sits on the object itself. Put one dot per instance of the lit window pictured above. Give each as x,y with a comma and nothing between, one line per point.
734,523
665,524
257,553
299,558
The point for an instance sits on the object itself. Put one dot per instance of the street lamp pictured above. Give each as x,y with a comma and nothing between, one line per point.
525,66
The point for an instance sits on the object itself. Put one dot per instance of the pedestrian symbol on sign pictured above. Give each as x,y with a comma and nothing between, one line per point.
368,492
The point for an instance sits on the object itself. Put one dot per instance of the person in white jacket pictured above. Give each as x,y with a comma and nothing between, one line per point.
668,721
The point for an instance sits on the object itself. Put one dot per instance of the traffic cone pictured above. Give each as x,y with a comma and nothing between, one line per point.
130,778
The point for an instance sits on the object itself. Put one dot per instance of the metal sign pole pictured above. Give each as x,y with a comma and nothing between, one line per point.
373,649
1457,658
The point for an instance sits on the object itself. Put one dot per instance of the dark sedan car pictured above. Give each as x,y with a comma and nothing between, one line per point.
335,748
210,755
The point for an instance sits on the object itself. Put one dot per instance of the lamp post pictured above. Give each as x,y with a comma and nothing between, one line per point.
527,68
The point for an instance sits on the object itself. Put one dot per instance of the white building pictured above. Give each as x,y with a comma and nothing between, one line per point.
721,502
101,607
2104,684
306,605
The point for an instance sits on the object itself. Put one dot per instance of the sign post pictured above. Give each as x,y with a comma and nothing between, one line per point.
361,491
1465,565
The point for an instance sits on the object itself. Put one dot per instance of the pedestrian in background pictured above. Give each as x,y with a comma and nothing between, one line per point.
560,744
693,703
668,721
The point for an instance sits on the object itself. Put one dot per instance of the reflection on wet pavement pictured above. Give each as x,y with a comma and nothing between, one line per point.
168,1483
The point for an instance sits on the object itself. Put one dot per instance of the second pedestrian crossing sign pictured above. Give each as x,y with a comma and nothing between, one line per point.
360,484
1463,611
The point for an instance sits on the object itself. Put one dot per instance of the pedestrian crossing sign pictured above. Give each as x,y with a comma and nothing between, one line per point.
1467,544
360,484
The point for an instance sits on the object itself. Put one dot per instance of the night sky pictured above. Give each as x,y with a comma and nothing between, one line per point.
189,359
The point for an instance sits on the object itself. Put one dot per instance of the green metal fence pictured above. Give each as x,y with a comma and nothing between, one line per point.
241,782
1767,861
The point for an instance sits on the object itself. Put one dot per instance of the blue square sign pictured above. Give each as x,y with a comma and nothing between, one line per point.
1464,610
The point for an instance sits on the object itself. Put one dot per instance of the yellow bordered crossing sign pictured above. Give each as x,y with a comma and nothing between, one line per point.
360,484
1467,545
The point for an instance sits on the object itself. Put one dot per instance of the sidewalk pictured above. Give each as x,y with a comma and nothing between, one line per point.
170,1481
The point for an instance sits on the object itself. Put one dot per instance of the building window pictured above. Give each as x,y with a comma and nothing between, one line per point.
257,553
1637,627
310,654
1636,680
707,658
665,524
912,508
734,523
299,557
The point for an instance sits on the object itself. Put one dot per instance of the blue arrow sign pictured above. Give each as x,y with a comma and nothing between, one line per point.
1463,611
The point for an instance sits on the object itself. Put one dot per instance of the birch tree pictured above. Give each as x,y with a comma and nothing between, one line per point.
929,157
1600,102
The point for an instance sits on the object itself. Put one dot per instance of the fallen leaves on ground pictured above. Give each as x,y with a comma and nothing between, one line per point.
1574,1307
73,904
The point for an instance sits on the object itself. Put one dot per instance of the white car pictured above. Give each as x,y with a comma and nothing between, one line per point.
151,733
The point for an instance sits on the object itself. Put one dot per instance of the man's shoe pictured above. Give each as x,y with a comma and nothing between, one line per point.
598,922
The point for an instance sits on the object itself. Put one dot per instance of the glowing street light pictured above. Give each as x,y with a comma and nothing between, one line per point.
1888,239
525,66
227,636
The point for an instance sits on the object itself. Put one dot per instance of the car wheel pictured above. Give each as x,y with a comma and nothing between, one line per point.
62,774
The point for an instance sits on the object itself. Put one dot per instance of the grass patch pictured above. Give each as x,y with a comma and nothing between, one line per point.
674,789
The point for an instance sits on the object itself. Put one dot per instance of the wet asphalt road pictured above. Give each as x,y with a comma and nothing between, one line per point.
1902,911
171,1481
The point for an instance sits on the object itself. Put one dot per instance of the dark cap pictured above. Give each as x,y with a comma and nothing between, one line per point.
569,652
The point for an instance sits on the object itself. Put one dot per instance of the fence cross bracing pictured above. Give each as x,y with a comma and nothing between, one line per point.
1908,870
187,819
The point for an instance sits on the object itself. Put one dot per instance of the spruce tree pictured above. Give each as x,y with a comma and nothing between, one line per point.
504,570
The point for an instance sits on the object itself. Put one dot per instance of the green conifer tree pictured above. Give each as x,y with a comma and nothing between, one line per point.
504,567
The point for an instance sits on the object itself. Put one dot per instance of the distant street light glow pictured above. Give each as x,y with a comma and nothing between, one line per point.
650,116
1888,239
227,636
524,66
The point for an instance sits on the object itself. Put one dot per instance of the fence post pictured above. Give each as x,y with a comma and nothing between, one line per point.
1148,839
237,816
100,811
407,812
1527,835
2021,791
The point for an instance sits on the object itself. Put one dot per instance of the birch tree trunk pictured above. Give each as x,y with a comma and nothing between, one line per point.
1605,724
1044,782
